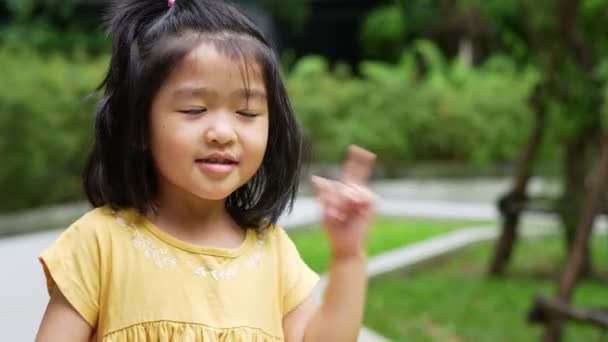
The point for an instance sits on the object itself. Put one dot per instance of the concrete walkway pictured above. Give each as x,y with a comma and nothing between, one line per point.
403,197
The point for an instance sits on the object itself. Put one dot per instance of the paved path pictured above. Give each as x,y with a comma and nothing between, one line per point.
23,293
450,191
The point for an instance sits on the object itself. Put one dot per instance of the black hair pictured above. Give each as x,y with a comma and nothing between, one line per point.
148,38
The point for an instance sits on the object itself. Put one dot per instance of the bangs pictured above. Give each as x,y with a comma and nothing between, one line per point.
250,53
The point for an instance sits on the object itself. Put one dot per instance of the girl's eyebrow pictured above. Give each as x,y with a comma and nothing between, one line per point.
250,93
189,91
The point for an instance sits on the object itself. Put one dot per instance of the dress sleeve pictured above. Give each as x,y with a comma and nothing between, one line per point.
298,280
72,263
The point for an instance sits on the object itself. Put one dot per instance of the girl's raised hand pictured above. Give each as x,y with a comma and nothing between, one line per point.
348,205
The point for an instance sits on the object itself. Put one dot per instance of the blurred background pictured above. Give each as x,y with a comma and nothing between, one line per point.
488,118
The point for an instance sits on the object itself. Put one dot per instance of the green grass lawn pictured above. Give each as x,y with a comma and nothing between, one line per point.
452,299
386,234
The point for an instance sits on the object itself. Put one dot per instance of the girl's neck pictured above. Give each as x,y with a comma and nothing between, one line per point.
195,220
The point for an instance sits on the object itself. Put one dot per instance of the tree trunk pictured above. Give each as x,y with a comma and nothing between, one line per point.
558,309
593,203
576,166
512,204
466,51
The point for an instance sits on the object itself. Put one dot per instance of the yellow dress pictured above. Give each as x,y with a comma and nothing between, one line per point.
133,282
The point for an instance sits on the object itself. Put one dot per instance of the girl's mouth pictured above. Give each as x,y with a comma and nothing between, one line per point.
216,161
216,167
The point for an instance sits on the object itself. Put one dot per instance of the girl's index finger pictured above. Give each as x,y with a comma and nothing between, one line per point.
358,165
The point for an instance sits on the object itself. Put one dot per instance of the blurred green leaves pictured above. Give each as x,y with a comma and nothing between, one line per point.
449,112
45,125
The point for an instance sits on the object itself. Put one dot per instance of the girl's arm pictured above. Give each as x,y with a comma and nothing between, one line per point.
61,322
339,317
348,210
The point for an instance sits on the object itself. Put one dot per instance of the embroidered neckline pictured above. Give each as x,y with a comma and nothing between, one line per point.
163,258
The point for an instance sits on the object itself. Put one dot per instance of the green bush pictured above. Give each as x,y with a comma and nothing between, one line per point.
45,126
449,112
44,38
54,26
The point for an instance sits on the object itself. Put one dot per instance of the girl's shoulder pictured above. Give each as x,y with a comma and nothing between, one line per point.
297,278
277,239
98,226
102,218
96,218
275,236
78,259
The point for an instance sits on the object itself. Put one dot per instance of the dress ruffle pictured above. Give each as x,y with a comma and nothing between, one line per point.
166,331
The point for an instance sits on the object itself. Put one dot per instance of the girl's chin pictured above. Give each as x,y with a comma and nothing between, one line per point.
215,194
214,197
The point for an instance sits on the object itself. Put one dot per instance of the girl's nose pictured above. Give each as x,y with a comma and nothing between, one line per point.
220,130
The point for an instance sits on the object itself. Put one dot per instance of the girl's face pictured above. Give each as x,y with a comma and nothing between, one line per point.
207,137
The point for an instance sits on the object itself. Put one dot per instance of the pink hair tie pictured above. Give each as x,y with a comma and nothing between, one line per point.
171,2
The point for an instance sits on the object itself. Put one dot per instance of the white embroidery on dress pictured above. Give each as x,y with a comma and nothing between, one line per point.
151,251
161,258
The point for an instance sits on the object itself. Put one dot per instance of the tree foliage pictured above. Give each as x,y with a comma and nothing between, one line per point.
449,111
45,126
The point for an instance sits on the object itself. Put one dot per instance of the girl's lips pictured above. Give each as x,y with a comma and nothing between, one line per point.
216,168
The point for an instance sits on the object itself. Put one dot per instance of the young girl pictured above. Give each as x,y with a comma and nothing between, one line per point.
197,153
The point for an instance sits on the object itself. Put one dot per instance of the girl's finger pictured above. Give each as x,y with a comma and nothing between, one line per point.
322,188
327,193
344,201
358,165
320,184
335,197
362,195
335,215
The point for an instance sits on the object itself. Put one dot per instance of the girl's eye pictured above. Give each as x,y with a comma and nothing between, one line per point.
247,115
193,111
